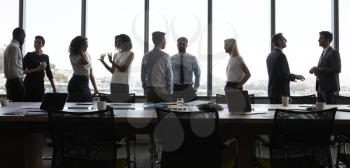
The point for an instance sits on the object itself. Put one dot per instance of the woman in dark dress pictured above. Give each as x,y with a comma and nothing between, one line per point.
35,64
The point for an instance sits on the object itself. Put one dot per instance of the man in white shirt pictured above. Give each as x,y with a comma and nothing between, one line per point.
13,66
156,71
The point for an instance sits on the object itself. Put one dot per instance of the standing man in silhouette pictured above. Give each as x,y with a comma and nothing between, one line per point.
13,67
278,71
328,69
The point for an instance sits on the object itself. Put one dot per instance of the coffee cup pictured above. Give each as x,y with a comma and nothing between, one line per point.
320,105
286,100
4,102
101,105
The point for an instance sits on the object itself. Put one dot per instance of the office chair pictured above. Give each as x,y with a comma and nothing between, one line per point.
83,139
296,139
191,139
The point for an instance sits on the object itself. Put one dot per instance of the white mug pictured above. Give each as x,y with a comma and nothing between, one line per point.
286,100
101,105
5,102
320,105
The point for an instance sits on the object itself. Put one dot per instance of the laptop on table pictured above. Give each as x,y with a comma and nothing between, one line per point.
238,101
54,101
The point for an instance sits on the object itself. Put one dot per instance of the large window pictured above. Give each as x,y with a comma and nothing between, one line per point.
183,18
249,23
105,21
9,20
58,22
301,27
344,40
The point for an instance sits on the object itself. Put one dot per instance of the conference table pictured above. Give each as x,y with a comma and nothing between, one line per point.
21,131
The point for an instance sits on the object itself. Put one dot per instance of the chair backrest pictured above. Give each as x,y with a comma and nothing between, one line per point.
308,99
83,139
341,99
301,139
189,139
118,98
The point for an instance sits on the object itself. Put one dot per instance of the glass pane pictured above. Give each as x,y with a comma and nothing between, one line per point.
344,34
58,22
176,20
249,23
301,28
105,21
9,21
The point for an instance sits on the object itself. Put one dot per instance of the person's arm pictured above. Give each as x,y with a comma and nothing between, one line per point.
143,72
246,76
125,66
83,60
169,74
92,78
49,75
110,69
26,62
197,74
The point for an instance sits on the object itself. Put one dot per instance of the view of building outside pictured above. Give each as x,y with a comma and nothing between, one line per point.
183,18
249,23
246,21
9,20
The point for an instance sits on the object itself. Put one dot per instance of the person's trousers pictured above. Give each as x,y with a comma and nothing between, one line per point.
157,94
327,97
15,89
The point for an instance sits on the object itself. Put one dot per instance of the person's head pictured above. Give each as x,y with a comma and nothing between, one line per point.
279,41
325,39
123,42
158,39
19,35
182,44
39,42
78,45
231,47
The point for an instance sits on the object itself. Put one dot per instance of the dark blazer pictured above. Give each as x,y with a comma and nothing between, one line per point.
328,77
279,74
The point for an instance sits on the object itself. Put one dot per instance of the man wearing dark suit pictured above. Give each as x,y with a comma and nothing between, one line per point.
278,71
328,69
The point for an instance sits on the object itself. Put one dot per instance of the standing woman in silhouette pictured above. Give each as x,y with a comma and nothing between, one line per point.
237,71
120,64
78,86
35,64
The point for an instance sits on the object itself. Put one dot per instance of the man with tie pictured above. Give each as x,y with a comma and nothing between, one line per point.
185,66
13,67
328,69
156,71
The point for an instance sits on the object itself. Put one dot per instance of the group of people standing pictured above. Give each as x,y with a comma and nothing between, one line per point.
161,75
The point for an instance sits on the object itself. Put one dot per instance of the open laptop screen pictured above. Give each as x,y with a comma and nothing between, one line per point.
54,101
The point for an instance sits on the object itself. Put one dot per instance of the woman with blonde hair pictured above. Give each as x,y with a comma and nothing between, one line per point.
237,71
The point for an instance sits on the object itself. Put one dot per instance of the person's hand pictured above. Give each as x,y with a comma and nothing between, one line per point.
40,67
53,90
300,77
110,57
313,70
102,57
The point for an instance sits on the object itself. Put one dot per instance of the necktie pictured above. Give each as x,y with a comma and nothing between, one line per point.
182,74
